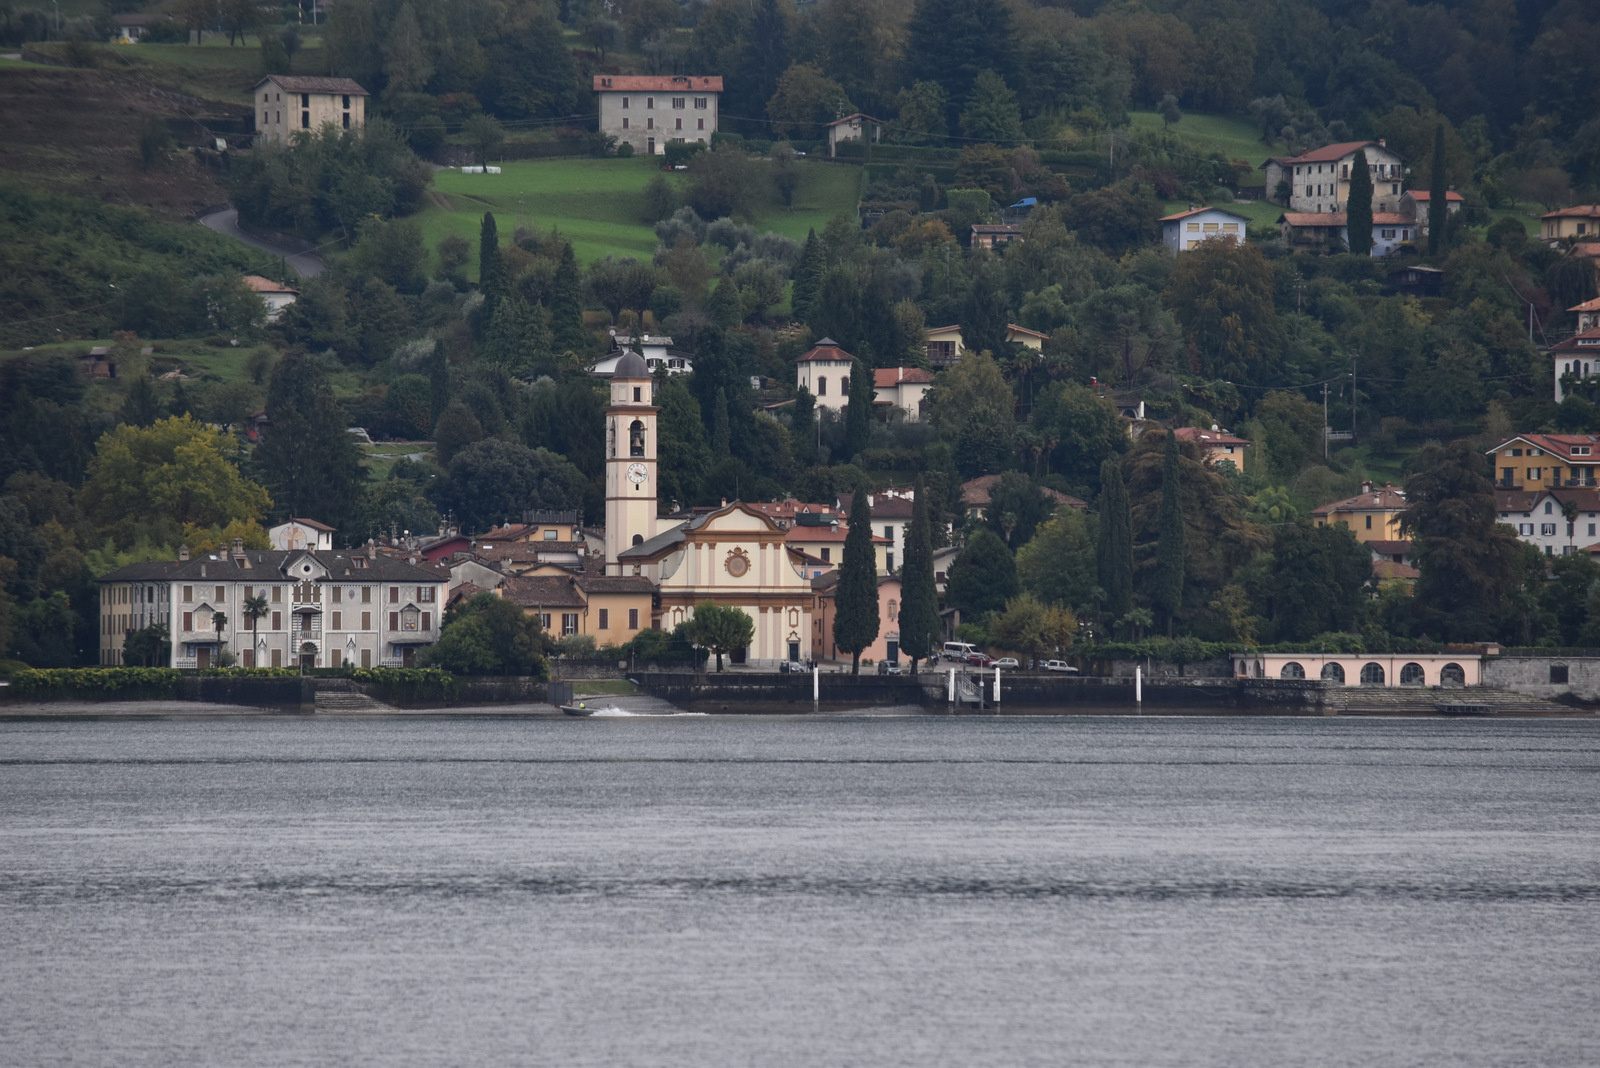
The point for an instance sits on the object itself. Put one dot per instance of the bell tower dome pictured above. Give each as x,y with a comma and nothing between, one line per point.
630,459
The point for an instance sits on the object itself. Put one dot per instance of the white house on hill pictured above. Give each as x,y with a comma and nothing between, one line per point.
1182,231
647,111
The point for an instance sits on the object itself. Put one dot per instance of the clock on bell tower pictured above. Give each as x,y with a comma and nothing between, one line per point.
630,460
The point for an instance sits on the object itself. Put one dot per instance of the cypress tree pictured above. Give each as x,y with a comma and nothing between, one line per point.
1116,542
983,317
803,427
807,278
566,306
308,461
1438,190
919,598
1167,591
488,249
721,432
855,616
858,413
724,307
1358,211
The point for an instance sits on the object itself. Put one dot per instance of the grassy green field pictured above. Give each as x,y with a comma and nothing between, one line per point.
1234,137
598,204
213,70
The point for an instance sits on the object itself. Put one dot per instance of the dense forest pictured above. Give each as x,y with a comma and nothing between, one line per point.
481,347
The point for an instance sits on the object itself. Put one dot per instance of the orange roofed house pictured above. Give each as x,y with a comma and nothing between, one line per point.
1545,461
1579,222
1218,445
1373,515
647,111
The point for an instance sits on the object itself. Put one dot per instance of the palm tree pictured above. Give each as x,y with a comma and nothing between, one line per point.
218,621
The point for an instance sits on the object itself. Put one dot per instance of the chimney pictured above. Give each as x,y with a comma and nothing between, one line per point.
1366,487
1382,143
183,553
236,548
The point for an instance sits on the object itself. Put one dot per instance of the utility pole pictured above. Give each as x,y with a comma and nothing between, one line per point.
1353,360
1324,420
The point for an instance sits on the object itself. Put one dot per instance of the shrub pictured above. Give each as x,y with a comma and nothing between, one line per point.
96,684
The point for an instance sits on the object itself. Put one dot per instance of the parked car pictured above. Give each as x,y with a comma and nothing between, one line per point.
889,667
1060,665
979,659
1009,662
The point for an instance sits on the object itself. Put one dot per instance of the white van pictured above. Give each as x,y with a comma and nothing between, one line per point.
958,652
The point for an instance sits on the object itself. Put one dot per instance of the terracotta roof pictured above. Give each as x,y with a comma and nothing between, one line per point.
1579,211
1334,153
1387,499
1388,569
615,584
1318,219
889,377
1202,211
857,115
1589,339
648,83
1586,306
266,285
1390,548
1207,437
828,534
543,591
976,493
1559,445
826,349
297,84
1425,196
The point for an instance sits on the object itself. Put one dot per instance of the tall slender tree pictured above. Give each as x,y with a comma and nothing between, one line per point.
858,413
488,249
1438,192
919,597
1116,542
855,615
983,317
803,428
808,273
1166,591
566,306
308,459
1358,210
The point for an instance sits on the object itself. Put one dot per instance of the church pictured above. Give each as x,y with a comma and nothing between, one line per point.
735,555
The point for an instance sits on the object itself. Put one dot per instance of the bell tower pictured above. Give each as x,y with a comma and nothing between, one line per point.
630,460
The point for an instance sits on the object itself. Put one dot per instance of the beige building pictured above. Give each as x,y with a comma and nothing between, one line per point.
944,346
1372,515
647,111
857,127
1407,669
285,103
1580,222
1319,180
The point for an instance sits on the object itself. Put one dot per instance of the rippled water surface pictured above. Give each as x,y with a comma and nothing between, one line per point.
829,891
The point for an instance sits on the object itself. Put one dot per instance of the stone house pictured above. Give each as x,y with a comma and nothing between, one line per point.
1330,231
1577,358
647,111
1319,180
286,103
324,608
1219,446
1414,206
944,345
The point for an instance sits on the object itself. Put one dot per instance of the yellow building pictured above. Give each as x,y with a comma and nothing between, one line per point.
1372,515
1580,221
1545,461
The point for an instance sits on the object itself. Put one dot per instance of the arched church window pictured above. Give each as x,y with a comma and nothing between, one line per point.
638,539
822,386
636,439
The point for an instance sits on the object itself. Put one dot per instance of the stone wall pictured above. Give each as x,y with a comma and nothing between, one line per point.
1532,675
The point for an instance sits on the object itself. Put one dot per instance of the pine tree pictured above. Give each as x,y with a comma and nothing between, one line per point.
724,307
1167,588
858,413
517,336
566,306
983,317
919,597
721,432
488,250
1116,542
808,277
1438,191
855,616
1358,217
308,460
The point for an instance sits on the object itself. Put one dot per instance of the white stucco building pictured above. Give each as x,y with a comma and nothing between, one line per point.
284,104
1182,231
648,111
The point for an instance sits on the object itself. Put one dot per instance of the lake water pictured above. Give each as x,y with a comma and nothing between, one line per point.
800,891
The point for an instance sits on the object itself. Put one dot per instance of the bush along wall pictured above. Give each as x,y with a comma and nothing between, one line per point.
95,684
407,686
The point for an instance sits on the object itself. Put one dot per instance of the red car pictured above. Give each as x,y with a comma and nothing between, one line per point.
979,660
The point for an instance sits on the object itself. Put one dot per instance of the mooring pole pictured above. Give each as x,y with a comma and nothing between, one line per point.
950,692
816,684
997,687
1138,685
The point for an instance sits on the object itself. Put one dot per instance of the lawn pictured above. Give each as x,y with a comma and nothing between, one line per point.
213,71
1261,213
1234,137
598,204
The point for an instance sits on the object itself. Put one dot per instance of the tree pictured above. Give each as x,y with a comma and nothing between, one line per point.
176,473
953,42
983,317
983,576
484,133
858,413
722,182
197,17
1016,508
1222,295
254,608
1058,565
803,427
805,100
406,64
1359,207
855,619
1169,111
972,404
488,256
1115,556
489,635
808,273
1469,566
991,113
219,620
308,460
1438,192
148,646
1318,581
1166,588
720,628
1029,626
919,596
492,481
567,334
923,115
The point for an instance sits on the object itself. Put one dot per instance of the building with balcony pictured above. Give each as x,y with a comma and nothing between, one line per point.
1545,461
316,608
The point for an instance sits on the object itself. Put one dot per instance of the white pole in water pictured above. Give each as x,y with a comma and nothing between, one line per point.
816,684
997,687
952,688
1138,685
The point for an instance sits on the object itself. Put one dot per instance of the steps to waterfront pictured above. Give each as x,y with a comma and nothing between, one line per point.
341,695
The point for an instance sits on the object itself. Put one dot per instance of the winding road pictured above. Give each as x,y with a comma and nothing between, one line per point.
305,264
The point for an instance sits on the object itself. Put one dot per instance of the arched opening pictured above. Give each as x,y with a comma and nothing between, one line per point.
1412,675
1372,674
1332,672
638,539
1292,670
1452,675
636,438
822,386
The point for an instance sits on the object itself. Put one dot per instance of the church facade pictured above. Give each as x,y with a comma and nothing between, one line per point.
733,556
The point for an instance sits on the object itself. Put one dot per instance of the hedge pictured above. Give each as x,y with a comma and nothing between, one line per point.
407,685
96,684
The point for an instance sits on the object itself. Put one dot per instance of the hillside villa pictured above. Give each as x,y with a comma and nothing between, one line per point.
646,111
